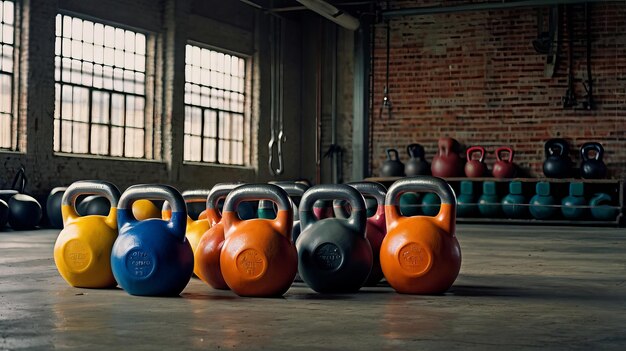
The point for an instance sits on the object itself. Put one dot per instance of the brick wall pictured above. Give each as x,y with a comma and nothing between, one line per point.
476,77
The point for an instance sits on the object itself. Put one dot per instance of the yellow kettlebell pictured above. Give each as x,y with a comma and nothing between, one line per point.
82,252
145,209
195,228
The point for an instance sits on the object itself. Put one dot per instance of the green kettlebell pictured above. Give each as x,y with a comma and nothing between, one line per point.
541,205
602,208
573,205
266,210
430,204
410,204
489,203
466,203
513,204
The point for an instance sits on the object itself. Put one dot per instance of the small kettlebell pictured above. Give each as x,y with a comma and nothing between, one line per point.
258,257
541,205
53,207
447,162
207,255
421,255
417,164
557,163
504,167
602,207
195,228
430,204
514,203
466,202
592,168
82,251
573,205
489,204
375,227
475,168
334,255
392,167
152,257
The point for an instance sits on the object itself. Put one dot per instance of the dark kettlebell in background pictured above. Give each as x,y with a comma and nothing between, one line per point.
53,207
333,254
4,213
417,164
557,163
25,212
514,203
504,167
447,162
602,207
152,257
93,205
392,167
475,168
592,168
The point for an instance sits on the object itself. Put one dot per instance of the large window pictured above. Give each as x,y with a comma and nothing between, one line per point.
7,43
214,106
100,89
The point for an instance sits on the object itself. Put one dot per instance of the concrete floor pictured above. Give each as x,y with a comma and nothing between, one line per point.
519,288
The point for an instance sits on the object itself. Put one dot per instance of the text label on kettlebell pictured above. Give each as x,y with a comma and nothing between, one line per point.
327,256
139,263
77,255
414,258
251,263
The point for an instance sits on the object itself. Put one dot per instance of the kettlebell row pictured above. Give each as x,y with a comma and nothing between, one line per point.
337,252
448,161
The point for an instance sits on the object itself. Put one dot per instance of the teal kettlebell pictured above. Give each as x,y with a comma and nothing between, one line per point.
542,204
489,203
601,207
573,205
466,203
430,204
266,210
410,204
514,203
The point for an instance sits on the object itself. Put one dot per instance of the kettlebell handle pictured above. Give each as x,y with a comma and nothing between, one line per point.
561,144
358,216
392,151
371,189
415,151
219,191
584,150
190,196
90,187
473,149
250,192
446,217
178,221
502,149
292,188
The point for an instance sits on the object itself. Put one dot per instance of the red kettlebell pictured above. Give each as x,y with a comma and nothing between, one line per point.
258,257
504,168
475,168
207,254
447,162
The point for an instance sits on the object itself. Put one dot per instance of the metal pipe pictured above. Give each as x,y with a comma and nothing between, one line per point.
333,103
413,11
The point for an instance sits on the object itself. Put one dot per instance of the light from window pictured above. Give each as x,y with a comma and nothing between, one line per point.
7,42
214,106
100,89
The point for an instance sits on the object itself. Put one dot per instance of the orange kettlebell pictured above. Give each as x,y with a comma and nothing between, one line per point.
195,228
258,257
207,254
420,254
82,252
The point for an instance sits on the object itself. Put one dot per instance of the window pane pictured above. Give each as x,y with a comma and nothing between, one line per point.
7,131
214,84
105,105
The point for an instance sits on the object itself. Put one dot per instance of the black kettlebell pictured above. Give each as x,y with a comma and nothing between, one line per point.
24,210
333,254
592,168
94,205
417,164
392,167
53,207
558,163
4,213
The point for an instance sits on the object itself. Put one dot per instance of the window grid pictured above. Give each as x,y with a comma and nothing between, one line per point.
214,106
100,89
7,49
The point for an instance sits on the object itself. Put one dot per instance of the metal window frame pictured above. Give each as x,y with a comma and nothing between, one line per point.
110,92
14,117
203,109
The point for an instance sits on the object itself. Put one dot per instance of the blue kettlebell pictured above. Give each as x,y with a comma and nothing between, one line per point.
152,257
514,203
602,208
573,206
466,203
489,203
542,204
